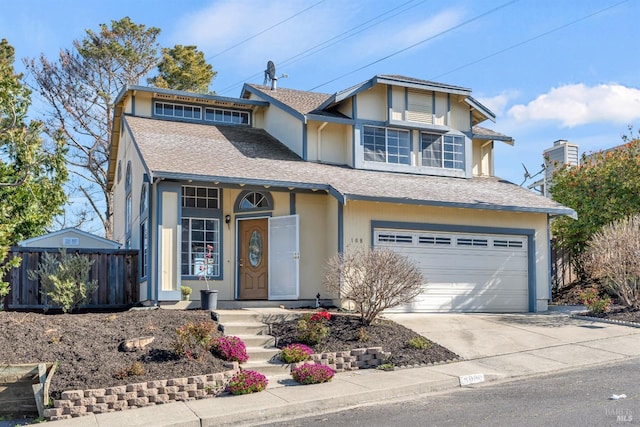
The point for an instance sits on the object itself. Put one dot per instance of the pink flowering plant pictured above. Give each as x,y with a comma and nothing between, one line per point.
312,374
245,382
314,328
206,265
295,353
594,303
193,340
230,348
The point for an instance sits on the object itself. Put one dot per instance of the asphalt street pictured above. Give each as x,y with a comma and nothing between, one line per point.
576,398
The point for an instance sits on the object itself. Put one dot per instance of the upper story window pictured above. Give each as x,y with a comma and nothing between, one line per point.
442,151
220,115
200,197
178,110
387,145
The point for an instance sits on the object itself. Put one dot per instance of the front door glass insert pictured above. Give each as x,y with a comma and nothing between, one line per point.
255,248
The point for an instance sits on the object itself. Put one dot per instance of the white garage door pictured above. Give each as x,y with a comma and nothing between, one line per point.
464,272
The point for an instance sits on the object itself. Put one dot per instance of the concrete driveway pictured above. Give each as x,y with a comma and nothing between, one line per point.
476,336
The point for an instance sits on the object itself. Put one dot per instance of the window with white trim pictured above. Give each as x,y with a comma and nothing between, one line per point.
201,237
222,115
200,197
386,145
200,247
177,110
442,151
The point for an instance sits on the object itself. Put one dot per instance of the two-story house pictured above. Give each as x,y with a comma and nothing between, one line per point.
257,192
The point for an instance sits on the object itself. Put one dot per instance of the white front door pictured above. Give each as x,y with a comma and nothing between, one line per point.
284,258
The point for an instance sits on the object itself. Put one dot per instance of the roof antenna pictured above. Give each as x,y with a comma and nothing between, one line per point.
270,75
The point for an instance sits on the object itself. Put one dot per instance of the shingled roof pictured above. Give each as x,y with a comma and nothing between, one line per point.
299,100
238,154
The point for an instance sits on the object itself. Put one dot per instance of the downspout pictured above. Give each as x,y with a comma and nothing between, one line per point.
319,142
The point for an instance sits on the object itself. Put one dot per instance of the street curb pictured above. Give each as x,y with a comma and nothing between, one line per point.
609,321
332,404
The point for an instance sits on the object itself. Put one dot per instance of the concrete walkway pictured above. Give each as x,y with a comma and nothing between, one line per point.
500,347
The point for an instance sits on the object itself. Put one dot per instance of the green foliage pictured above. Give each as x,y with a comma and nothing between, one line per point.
312,329
32,171
185,291
295,353
419,343
595,304
386,367
64,280
602,189
183,68
194,340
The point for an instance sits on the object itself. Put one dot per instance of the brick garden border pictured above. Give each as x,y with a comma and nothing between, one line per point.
76,403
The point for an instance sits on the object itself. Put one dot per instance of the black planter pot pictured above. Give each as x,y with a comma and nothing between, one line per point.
208,299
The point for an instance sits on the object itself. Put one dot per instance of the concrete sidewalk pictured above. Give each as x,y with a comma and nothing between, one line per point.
501,347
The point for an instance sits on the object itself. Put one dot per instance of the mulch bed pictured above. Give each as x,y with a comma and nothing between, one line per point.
86,346
347,332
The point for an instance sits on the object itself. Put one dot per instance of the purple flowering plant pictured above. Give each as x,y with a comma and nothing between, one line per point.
230,348
295,353
312,374
245,382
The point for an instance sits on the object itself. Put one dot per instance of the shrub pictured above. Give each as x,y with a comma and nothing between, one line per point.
374,280
312,374
419,343
595,304
135,369
386,367
295,353
185,291
612,258
363,336
65,280
245,382
313,328
230,348
194,340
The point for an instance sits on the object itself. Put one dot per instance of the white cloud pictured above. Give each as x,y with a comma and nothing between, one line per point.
498,102
578,104
224,24
404,33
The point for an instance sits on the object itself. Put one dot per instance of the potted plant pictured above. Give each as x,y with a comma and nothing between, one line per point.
186,292
208,297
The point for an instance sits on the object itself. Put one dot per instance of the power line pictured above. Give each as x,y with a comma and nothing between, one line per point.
455,27
330,42
264,31
546,33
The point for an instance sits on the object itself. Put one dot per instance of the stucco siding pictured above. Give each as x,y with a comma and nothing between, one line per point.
442,109
372,104
327,143
459,115
482,161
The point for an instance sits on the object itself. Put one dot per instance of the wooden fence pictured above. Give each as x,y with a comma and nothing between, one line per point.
562,271
116,272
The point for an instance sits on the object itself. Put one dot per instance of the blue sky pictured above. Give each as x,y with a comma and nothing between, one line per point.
549,69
